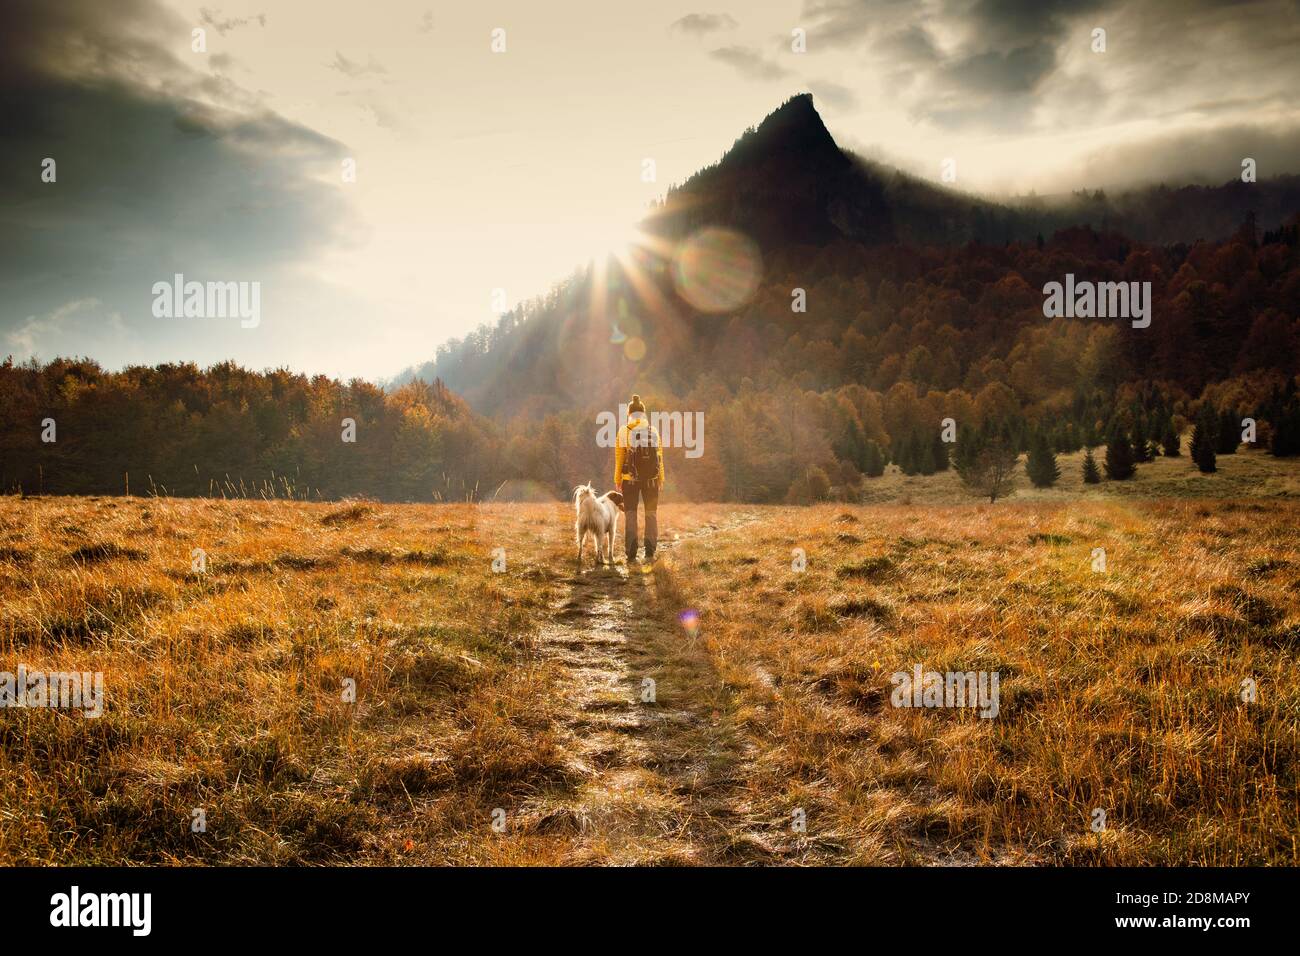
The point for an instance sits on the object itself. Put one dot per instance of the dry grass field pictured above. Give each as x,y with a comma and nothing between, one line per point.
510,718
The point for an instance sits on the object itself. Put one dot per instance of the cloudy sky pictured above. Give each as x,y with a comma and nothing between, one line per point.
479,171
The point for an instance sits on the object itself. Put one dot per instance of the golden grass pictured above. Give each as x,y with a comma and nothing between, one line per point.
224,689
1119,691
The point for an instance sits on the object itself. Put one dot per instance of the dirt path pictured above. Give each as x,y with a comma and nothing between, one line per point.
640,705
662,776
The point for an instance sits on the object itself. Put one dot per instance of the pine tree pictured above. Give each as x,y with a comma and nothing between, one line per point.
874,461
1119,457
897,452
1285,424
906,457
968,445
1204,438
1072,440
924,455
939,449
1171,442
1091,475
1141,446
1040,466
1229,435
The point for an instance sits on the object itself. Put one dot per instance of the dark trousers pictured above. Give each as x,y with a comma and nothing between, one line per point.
634,491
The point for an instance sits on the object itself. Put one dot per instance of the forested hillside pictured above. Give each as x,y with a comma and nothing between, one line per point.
896,339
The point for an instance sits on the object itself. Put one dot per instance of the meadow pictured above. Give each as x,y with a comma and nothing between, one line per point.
354,682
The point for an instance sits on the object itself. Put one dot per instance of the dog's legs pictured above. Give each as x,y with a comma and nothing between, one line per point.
580,536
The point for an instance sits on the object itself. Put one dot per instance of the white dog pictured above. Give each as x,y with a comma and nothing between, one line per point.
598,517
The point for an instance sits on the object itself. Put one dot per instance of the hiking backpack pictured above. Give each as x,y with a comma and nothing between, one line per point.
642,455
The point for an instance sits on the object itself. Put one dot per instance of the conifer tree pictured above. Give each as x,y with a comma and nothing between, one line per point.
1119,457
1285,423
1142,451
1229,434
1091,475
939,449
1040,466
874,461
1204,438
1072,440
1170,442
968,445
905,458
925,464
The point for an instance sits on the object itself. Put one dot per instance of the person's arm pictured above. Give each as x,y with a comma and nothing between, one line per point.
618,462
660,452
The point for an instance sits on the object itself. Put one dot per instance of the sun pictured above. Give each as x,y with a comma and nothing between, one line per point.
613,239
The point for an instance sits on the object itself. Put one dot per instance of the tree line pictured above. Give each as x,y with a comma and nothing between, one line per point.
798,406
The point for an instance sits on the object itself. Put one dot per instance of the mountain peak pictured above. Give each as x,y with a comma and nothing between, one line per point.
779,183
795,127
800,107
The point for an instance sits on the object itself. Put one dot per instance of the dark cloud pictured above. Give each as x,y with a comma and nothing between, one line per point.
702,23
161,168
1005,25
999,74
1016,66
911,45
835,24
1004,50
749,63
1000,25
90,41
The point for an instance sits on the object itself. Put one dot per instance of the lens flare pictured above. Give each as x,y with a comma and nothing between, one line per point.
634,348
690,620
717,270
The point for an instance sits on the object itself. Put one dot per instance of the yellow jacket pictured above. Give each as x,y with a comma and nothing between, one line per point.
639,423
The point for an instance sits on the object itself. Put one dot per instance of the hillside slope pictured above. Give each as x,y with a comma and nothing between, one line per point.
850,233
